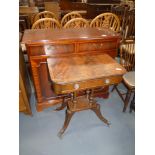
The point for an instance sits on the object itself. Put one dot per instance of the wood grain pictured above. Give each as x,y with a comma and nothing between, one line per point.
80,68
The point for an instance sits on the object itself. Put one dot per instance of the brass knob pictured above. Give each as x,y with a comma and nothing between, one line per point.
49,47
107,81
76,86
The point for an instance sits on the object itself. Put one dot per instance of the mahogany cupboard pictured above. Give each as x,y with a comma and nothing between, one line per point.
44,43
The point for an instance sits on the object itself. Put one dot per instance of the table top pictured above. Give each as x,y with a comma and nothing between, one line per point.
64,70
57,35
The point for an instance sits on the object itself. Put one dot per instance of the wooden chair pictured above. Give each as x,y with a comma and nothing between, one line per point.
69,16
106,20
44,14
45,23
120,11
129,26
127,60
77,23
132,105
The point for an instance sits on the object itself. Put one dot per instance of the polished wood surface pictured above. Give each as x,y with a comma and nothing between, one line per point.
44,43
81,68
70,35
83,72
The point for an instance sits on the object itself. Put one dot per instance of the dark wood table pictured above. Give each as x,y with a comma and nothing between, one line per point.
43,43
71,75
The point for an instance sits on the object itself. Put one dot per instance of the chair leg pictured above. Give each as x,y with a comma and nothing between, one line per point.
132,105
114,87
127,98
120,94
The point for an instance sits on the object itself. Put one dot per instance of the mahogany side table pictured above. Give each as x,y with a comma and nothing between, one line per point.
70,75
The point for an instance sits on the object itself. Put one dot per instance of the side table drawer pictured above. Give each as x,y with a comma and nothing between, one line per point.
67,88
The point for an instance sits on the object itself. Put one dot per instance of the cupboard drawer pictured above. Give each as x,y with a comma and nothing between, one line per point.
50,49
58,49
97,46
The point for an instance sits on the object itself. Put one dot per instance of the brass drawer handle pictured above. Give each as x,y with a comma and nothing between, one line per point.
76,86
48,48
107,81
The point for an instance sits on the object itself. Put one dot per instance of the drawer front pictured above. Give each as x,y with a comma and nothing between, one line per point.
71,87
51,49
97,46
58,49
36,50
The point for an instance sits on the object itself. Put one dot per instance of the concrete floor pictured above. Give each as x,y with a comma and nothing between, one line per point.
85,135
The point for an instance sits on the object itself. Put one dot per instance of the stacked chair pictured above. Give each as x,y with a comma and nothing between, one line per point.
70,16
77,23
45,19
44,14
120,11
106,20
46,23
129,26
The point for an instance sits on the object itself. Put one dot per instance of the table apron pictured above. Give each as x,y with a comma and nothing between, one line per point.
88,84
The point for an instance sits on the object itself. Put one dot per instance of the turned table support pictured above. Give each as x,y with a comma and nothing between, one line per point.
76,104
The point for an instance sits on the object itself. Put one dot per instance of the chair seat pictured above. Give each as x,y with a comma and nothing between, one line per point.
129,78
